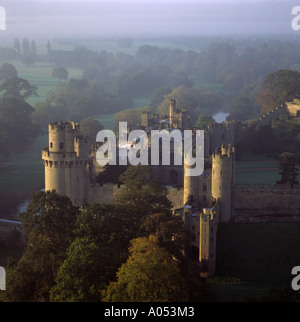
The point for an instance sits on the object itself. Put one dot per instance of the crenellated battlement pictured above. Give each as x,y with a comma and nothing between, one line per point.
221,126
62,125
275,113
225,150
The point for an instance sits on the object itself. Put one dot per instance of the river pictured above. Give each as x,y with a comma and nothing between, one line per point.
220,117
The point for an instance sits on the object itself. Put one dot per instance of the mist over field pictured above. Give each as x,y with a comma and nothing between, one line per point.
144,18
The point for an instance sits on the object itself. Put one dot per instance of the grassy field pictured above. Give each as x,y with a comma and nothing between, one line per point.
23,173
260,255
40,76
258,169
107,120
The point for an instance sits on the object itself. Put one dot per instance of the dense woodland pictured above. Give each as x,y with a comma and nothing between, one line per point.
243,77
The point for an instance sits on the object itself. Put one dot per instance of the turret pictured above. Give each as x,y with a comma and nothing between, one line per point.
66,161
190,187
145,119
222,179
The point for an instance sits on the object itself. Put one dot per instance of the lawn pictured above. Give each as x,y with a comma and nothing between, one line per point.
261,171
23,173
262,255
256,177
40,75
107,120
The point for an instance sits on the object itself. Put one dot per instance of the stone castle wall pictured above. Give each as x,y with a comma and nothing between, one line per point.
105,193
266,203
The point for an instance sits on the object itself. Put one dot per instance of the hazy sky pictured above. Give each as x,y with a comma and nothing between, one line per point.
57,18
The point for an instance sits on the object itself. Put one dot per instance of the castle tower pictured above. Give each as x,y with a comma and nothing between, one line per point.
220,133
208,240
145,119
66,161
222,179
190,187
172,111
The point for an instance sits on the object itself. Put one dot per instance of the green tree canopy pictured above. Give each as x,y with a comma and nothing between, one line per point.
203,121
278,88
17,88
149,275
8,71
90,127
140,195
48,223
170,232
16,128
84,273
103,235
60,73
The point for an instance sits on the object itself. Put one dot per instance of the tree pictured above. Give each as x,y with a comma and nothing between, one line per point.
25,46
48,223
108,225
149,275
60,73
183,99
111,174
170,232
131,116
242,109
101,246
28,59
33,48
17,45
278,88
28,56
84,273
49,47
203,121
17,88
7,71
90,127
158,95
140,195
16,128
288,169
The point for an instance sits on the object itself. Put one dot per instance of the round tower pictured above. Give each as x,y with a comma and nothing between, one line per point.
66,161
190,186
222,180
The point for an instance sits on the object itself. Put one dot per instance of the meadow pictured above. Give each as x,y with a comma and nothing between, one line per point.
252,258
256,171
22,173
40,75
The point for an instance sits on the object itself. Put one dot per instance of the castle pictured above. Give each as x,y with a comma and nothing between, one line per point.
203,202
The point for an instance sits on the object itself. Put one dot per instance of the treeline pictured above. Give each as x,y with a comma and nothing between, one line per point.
224,75
232,70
